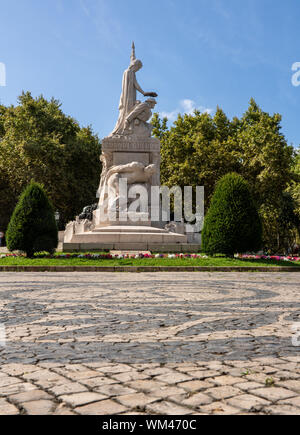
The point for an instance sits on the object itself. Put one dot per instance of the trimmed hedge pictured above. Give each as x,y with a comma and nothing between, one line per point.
232,224
32,227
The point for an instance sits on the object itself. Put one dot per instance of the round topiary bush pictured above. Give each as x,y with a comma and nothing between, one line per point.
32,227
232,224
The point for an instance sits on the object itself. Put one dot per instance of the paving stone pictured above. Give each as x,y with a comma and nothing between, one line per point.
225,380
167,408
136,400
247,386
98,382
295,359
293,385
18,369
219,408
105,407
39,407
114,390
130,376
223,392
269,370
234,372
184,367
215,365
282,410
241,364
144,366
84,398
77,375
293,401
7,408
30,396
197,400
173,378
248,402
8,381
156,371
63,410
146,386
194,386
49,365
286,376
67,388
203,374
260,377
291,366
169,391
44,378
98,365
117,368
274,393
16,388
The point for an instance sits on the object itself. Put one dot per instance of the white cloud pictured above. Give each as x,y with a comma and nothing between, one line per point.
170,115
188,106
185,106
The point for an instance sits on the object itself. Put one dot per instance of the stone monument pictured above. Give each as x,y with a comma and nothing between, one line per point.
129,155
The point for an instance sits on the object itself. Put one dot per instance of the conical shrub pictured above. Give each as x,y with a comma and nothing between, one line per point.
32,227
232,224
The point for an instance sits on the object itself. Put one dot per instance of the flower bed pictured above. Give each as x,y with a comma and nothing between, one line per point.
104,256
267,257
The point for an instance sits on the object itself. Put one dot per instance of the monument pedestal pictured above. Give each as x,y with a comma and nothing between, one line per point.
123,236
130,230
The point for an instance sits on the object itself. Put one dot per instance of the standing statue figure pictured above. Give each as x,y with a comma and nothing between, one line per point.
128,99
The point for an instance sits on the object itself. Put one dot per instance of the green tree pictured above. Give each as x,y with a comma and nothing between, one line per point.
288,224
200,148
294,187
197,150
38,141
32,227
232,224
266,164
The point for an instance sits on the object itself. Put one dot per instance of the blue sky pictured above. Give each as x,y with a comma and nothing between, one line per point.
197,53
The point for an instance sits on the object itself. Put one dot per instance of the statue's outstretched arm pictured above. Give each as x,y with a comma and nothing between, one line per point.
146,94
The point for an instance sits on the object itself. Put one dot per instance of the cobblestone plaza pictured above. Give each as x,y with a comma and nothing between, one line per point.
144,343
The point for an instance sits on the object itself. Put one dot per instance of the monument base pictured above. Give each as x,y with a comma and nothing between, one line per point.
117,237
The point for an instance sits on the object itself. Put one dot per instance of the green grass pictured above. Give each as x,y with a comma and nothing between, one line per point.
211,261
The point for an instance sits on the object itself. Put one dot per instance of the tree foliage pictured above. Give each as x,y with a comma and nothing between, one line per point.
32,227
288,223
199,149
38,141
232,224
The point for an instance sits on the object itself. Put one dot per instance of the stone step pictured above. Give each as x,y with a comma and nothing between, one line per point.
129,237
129,229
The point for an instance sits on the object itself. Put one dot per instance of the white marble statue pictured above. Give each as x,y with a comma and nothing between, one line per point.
130,156
128,100
106,159
136,121
134,173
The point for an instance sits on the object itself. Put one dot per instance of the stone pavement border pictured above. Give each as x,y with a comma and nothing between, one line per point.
135,269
